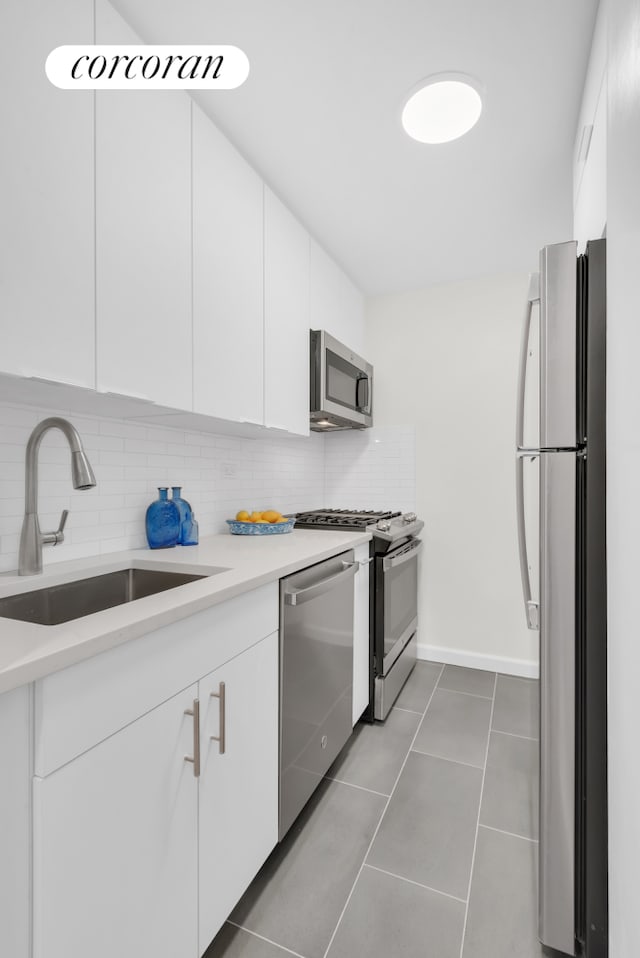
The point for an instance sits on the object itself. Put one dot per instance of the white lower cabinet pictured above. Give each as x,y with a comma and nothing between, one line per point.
15,823
137,850
238,786
361,654
115,844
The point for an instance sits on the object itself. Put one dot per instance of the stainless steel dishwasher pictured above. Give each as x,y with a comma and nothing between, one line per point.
316,677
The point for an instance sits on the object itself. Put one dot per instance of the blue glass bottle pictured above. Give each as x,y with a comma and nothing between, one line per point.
162,522
185,514
190,533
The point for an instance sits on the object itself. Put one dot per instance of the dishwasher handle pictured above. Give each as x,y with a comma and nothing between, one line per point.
298,596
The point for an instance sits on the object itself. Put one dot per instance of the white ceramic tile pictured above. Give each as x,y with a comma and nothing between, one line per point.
375,469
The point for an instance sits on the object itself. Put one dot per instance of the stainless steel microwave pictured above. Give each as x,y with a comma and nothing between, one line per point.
341,386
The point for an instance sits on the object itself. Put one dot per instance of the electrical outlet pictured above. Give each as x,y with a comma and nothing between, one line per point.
229,470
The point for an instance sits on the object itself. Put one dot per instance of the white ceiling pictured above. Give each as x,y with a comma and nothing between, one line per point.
319,119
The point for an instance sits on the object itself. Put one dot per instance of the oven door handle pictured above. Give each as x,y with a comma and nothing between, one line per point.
410,553
298,596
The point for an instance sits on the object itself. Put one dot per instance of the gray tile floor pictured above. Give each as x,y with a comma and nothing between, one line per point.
420,843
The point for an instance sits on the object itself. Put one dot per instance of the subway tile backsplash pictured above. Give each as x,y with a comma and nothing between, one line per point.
219,475
371,469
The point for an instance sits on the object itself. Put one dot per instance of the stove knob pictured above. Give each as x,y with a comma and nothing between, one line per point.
409,517
383,525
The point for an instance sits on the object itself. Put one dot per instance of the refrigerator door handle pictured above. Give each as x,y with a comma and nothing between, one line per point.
533,297
530,607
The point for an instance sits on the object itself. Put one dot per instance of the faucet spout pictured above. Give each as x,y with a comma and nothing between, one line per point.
31,538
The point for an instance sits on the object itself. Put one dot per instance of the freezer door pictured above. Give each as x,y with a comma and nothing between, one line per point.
556,927
558,344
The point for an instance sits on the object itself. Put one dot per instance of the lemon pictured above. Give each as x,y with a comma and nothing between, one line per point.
261,522
271,515
255,516
242,516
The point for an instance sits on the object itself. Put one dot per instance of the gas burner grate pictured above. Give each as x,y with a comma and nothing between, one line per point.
342,518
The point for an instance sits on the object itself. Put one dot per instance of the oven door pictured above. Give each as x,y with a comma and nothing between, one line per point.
396,602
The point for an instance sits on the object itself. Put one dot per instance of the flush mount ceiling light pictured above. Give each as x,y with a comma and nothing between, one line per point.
442,108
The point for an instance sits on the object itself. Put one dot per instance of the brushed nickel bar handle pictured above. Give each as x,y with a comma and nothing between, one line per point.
298,596
221,738
195,712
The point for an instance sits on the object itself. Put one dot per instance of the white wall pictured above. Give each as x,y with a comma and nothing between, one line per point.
219,475
623,470
445,358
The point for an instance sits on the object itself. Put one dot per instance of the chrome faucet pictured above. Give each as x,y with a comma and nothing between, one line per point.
31,539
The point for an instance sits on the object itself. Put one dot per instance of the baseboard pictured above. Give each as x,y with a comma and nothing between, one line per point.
525,668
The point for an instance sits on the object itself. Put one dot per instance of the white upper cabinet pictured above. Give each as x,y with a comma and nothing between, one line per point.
228,334
286,319
590,150
336,305
143,236
46,244
590,212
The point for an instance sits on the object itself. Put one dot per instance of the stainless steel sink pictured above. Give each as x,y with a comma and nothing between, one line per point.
72,600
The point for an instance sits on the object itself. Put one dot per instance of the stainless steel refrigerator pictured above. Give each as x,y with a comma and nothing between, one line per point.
560,484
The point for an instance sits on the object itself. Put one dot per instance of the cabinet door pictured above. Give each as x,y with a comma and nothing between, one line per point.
239,787
286,319
361,651
46,241
143,236
15,823
590,213
115,844
335,304
227,279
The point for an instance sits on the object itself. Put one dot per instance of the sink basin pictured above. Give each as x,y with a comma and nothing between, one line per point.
72,600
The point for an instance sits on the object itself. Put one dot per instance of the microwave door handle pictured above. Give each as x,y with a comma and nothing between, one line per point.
533,296
530,607
362,387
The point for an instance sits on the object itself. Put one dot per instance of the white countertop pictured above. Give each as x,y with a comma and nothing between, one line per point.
29,651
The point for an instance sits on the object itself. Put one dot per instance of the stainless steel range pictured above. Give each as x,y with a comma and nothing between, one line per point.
393,594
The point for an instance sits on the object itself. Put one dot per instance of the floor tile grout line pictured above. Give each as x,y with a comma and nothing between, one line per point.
527,738
377,828
396,708
264,938
473,695
362,788
444,758
418,883
503,831
475,843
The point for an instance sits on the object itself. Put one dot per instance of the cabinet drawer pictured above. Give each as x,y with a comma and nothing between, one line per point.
82,705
